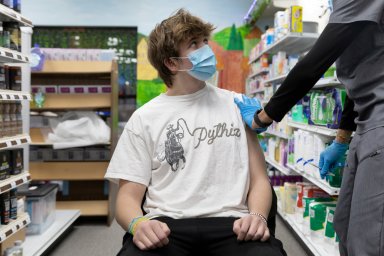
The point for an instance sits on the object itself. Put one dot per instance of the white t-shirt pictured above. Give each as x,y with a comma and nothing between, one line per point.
190,151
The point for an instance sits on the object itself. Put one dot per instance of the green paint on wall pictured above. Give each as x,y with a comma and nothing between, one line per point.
147,90
223,37
249,44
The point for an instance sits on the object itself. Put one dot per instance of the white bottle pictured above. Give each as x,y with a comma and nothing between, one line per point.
9,252
18,248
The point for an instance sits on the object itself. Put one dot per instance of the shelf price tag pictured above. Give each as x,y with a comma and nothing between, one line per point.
25,179
2,236
11,96
14,229
28,219
9,143
13,184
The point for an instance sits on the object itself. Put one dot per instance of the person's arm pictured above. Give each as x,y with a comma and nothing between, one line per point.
149,234
130,194
254,227
333,155
335,38
347,123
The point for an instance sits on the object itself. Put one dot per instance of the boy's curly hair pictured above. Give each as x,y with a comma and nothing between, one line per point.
164,41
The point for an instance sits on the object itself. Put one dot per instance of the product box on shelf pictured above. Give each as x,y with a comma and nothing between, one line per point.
17,161
40,204
5,208
317,213
5,161
326,107
3,84
295,14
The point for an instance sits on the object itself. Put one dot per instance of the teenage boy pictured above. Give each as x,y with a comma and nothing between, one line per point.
202,173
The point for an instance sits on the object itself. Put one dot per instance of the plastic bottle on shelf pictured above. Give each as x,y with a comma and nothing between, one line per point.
17,5
6,38
14,34
18,248
9,252
37,58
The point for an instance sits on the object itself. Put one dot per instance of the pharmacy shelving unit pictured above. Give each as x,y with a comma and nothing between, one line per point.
16,228
69,73
279,167
277,134
265,9
260,72
318,182
36,245
296,43
315,247
313,128
292,43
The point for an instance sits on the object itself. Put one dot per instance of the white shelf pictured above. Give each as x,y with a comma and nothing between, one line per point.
14,141
36,245
275,80
314,129
316,247
14,181
277,134
292,43
260,90
7,14
268,11
278,166
320,183
14,95
327,82
10,56
260,72
14,226
322,83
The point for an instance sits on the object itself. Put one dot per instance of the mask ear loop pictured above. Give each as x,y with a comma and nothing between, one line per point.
181,58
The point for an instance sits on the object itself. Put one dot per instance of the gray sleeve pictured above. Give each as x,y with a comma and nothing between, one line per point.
348,11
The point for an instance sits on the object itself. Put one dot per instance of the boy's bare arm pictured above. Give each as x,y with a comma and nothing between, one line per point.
128,202
260,194
254,226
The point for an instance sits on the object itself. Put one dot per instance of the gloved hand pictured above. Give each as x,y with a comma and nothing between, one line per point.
248,108
331,157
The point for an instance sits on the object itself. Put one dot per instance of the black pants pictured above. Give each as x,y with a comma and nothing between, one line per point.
204,236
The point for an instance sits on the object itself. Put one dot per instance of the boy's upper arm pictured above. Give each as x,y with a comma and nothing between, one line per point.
133,189
257,164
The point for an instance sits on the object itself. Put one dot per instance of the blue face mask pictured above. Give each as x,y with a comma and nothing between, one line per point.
203,63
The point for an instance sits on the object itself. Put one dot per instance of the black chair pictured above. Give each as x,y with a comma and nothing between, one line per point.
271,221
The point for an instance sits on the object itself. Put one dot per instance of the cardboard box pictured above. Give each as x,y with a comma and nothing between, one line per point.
296,19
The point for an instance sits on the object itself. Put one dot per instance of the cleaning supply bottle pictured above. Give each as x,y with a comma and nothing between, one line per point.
37,58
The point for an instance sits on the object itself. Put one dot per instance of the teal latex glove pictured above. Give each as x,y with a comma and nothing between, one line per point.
248,108
331,157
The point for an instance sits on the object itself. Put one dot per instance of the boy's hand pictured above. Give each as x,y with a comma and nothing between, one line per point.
251,227
151,234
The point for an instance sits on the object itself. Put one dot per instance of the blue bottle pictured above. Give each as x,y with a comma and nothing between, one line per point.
37,58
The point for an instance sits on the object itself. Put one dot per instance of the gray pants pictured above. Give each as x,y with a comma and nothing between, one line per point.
359,214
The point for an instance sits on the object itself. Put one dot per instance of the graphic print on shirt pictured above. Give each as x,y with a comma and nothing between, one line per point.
172,149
